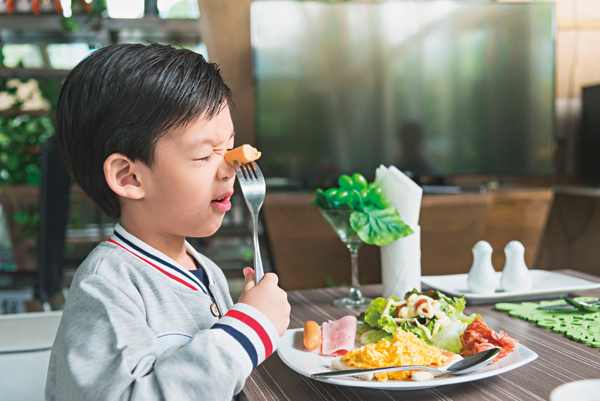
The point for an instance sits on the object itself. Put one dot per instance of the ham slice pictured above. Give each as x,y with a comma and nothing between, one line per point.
338,336
479,337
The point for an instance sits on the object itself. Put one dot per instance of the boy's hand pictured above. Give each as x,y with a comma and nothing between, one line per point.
268,298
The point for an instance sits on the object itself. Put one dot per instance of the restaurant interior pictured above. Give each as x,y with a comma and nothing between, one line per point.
491,108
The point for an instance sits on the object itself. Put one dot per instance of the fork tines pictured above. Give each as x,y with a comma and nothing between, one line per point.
250,170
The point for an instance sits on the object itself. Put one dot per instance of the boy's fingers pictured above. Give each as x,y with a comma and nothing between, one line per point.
249,278
273,277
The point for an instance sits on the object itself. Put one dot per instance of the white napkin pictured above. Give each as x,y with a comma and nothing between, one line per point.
402,192
401,259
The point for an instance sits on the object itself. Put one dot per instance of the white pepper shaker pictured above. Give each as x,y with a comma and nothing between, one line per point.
482,278
515,275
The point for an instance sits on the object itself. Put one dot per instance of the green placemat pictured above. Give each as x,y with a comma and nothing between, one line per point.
575,324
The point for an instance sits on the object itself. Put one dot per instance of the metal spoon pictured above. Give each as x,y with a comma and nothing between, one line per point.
581,305
461,367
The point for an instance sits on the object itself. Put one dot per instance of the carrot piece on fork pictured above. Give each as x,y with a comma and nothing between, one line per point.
242,154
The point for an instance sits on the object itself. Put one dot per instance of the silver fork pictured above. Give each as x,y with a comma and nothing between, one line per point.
253,187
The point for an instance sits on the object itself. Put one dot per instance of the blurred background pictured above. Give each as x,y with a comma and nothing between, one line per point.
491,106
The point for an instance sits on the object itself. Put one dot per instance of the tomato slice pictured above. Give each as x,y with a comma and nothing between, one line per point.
419,303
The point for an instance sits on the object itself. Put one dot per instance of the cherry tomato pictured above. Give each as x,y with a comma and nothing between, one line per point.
421,302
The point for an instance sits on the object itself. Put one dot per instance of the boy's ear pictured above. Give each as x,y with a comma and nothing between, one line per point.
122,177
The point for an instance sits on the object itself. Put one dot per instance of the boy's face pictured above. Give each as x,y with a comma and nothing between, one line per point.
190,183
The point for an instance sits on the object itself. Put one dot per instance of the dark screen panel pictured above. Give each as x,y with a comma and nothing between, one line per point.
435,88
589,147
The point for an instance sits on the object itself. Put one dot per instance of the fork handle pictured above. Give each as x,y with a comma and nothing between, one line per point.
258,267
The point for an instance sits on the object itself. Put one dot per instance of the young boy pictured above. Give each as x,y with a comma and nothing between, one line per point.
143,129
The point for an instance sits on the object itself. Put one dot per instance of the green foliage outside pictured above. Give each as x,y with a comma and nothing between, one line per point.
21,138
98,11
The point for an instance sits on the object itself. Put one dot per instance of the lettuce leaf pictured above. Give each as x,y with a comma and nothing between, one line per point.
387,324
368,335
454,308
468,319
418,331
374,311
409,293
374,336
380,326
448,338
375,318
361,328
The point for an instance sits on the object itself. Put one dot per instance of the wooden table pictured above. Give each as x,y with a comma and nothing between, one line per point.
560,360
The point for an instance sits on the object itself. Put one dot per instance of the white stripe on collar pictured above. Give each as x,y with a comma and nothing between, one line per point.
164,264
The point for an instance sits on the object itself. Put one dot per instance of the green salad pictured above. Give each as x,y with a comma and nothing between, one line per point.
433,317
374,220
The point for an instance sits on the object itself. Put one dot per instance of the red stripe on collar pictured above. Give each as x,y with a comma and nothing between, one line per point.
155,266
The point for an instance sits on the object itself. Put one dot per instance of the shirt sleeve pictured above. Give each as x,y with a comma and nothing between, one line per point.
104,350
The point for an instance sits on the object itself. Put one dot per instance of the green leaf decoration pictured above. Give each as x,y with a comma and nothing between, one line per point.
375,221
321,200
574,324
380,226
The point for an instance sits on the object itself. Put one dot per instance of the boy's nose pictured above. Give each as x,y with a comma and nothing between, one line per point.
225,171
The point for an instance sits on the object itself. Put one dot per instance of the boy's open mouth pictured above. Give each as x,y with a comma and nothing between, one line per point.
222,203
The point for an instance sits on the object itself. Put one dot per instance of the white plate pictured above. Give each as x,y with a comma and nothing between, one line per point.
580,390
546,284
292,353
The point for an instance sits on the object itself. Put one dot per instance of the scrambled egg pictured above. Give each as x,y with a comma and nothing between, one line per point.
405,349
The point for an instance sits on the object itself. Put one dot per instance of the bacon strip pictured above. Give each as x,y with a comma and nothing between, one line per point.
479,337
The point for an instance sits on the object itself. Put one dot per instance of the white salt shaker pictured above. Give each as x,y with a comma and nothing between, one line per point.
515,275
482,277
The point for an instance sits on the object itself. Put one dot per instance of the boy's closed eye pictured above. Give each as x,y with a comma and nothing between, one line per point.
220,152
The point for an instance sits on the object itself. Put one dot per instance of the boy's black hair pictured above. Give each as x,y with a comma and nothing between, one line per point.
122,99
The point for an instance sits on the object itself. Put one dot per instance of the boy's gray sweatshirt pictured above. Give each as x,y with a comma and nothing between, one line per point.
138,326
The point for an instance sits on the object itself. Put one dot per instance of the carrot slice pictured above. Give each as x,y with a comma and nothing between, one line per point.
242,154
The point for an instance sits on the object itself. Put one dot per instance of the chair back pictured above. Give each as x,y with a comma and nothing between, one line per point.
25,343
